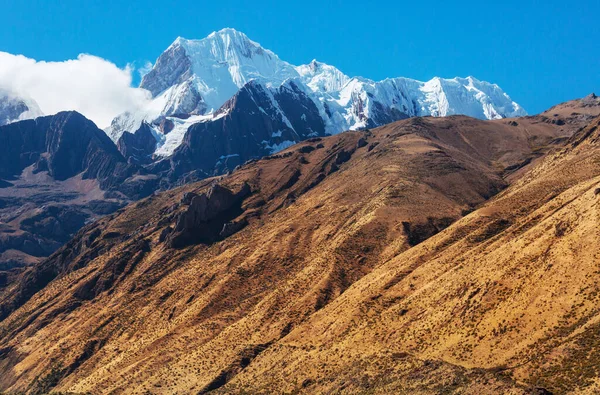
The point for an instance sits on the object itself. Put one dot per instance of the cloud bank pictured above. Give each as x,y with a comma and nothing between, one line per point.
90,85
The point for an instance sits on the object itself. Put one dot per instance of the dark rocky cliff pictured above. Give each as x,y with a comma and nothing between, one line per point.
58,173
252,124
139,146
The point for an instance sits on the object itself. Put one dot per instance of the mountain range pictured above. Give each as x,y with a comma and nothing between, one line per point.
200,82
217,103
261,227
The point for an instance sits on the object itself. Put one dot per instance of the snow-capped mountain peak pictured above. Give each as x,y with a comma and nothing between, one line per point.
322,77
469,96
215,67
14,107
193,79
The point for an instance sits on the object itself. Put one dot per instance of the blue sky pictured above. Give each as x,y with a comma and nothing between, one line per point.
541,52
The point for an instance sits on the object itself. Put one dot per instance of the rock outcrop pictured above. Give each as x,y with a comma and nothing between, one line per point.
138,147
206,217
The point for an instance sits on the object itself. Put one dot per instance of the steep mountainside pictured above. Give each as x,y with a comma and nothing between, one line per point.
194,81
211,286
511,288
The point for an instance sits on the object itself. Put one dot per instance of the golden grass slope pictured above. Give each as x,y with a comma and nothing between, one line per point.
323,291
511,288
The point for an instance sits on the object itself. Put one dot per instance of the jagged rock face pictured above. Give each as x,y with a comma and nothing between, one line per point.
75,144
139,146
22,145
382,115
173,66
208,215
254,123
64,145
165,126
590,100
300,110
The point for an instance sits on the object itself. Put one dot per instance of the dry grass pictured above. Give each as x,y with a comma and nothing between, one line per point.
322,291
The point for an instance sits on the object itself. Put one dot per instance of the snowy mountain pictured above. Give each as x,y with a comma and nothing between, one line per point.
321,77
16,108
215,68
194,81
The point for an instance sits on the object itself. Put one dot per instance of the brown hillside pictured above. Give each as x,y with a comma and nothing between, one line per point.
580,109
304,272
511,288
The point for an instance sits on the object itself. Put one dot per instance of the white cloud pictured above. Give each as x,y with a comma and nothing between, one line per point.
90,85
145,69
